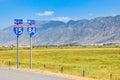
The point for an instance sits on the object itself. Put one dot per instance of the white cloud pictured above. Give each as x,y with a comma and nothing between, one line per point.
64,19
46,13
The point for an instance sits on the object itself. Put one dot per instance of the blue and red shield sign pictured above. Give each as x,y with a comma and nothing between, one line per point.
18,28
31,27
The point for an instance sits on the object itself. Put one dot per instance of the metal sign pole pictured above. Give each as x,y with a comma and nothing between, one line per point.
18,30
31,30
17,53
30,52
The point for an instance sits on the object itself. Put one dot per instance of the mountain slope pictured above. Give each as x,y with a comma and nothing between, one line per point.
95,31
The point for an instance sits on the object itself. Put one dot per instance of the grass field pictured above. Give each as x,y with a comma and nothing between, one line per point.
91,62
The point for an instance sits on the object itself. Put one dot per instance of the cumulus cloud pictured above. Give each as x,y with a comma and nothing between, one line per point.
46,13
64,19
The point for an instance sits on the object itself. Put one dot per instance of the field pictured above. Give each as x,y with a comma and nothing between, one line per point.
92,62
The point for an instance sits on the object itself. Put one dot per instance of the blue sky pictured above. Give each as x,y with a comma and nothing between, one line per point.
55,10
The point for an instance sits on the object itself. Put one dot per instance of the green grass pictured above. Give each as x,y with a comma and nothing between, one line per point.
97,62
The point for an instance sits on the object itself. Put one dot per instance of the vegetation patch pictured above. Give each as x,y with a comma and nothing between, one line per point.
91,62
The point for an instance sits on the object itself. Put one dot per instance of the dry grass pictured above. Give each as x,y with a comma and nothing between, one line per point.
97,63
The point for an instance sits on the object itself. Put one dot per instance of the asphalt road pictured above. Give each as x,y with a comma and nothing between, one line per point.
15,74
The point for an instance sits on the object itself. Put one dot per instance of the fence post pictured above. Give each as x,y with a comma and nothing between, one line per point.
19,64
62,69
110,76
9,63
83,73
44,67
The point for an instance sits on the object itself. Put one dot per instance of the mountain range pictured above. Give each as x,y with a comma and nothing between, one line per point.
100,30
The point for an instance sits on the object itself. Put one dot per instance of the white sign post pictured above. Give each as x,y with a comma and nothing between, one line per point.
31,30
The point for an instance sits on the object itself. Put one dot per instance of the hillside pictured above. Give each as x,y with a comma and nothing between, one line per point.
100,30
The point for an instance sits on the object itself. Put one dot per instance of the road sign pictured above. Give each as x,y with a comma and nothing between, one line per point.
18,31
31,30
18,28
31,21
31,27
18,21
